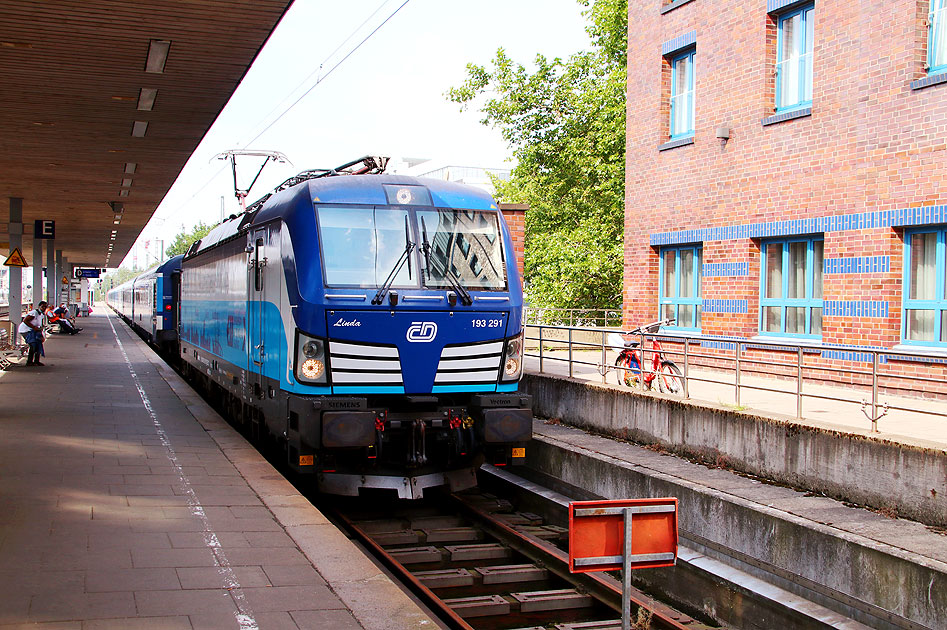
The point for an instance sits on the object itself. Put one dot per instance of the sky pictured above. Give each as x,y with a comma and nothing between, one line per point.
386,98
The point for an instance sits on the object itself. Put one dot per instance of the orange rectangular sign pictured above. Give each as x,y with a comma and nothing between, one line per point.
597,534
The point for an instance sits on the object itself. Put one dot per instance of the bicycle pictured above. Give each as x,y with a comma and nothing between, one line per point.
628,364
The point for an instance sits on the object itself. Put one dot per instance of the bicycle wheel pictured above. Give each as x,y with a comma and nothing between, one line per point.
631,374
670,379
620,364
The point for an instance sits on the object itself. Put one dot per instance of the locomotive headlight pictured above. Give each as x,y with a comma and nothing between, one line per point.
310,359
513,359
313,369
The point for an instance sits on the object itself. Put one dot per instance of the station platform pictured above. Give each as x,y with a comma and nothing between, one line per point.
127,502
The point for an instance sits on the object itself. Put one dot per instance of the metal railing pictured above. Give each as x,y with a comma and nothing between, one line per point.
577,317
741,364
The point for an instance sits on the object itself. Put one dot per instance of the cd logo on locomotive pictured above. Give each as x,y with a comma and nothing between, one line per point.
422,332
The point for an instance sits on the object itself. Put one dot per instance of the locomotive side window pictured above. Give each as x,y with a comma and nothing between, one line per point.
360,246
258,270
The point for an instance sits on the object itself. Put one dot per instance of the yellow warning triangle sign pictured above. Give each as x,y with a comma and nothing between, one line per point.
15,259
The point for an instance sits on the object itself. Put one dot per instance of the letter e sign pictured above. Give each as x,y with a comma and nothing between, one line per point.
44,229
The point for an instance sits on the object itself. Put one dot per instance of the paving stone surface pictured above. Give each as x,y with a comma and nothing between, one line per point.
116,517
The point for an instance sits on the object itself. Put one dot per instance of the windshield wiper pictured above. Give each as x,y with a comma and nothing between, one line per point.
405,257
451,277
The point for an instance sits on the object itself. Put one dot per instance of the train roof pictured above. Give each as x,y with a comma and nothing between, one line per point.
169,266
345,190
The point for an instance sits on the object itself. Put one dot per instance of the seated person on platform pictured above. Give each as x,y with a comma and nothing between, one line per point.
59,315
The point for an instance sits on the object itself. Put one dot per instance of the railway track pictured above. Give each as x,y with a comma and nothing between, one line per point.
481,564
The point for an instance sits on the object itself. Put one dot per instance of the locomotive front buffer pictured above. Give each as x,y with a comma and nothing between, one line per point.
432,443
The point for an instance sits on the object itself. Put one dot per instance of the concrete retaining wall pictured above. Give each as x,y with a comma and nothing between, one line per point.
878,585
910,480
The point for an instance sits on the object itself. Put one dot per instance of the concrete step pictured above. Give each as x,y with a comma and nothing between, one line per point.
453,534
403,537
545,532
512,573
521,518
480,606
436,522
483,551
416,555
610,624
489,503
560,599
446,578
382,525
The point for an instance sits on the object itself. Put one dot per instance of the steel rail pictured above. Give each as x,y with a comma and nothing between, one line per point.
601,586
426,595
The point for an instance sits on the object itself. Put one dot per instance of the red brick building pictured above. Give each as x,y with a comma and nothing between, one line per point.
787,171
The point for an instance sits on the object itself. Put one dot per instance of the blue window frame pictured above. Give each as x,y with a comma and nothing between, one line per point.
682,95
937,37
794,58
924,321
680,286
791,287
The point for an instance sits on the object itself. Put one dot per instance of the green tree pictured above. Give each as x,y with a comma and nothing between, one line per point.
565,122
183,240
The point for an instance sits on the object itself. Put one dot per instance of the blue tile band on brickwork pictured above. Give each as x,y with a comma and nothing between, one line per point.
725,343
718,345
904,217
848,355
724,306
784,116
729,343
854,308
934,79
679,42
727,269
857,264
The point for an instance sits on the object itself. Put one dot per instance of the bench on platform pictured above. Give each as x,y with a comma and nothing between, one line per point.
11,349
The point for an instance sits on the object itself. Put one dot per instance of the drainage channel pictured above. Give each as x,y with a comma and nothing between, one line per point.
483,565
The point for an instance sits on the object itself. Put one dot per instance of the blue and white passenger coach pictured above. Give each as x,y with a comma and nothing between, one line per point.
371,323
148,303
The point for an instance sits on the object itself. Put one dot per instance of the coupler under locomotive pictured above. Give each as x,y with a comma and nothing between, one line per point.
405,445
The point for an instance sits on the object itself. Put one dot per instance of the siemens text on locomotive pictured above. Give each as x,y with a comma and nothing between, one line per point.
371,324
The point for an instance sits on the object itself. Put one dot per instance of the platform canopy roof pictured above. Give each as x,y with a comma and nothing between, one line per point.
103,101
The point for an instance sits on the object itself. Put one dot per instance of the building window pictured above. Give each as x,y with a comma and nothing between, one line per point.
682,95
680,286
791,292
794,58
937,37
925,276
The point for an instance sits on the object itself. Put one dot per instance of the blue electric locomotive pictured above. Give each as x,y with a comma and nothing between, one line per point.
371,324
149,303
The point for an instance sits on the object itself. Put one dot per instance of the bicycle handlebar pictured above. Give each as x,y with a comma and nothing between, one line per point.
653,327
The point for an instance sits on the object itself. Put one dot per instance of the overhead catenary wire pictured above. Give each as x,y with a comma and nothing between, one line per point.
319,80
326,60
331,70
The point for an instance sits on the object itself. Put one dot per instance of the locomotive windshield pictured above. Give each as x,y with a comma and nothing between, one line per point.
465,244
362,246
